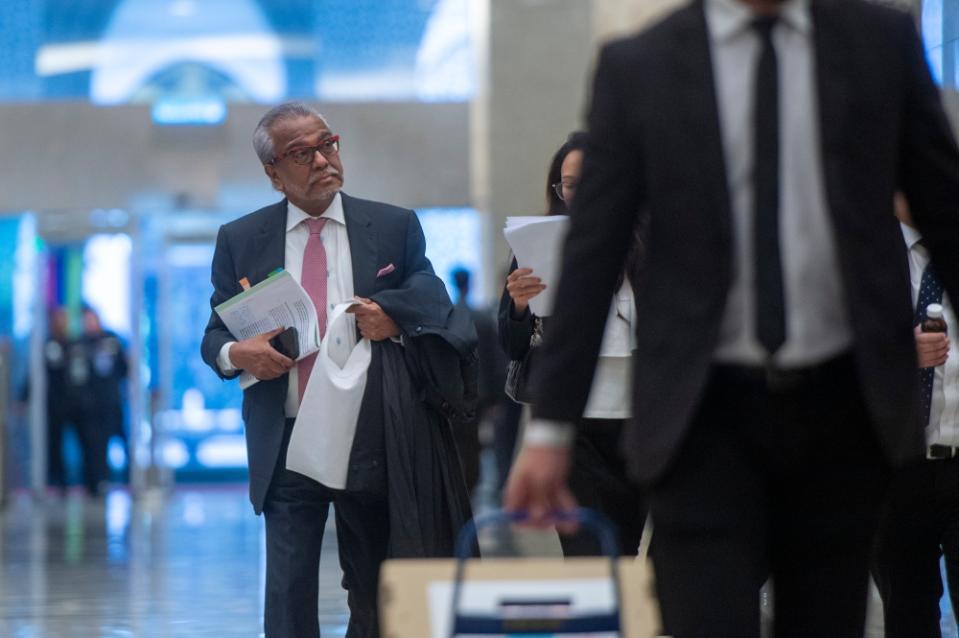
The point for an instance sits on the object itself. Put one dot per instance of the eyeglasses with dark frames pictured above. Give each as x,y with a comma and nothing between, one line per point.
303,155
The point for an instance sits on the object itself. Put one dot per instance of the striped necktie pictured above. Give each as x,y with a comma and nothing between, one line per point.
314,280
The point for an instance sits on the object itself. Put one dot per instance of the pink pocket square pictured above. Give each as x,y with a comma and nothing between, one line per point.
385,270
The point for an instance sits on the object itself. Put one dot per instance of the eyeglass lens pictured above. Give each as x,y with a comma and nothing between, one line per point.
305,155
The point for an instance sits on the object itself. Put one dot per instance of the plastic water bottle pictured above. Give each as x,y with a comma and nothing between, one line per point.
934,321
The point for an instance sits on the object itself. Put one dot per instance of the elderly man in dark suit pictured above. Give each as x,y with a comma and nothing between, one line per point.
775,369
338,247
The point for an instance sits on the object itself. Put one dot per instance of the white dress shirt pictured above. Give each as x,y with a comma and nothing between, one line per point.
339,287
817,322
943,428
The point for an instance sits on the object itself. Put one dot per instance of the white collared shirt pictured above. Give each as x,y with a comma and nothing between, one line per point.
339,288
817,322
943,428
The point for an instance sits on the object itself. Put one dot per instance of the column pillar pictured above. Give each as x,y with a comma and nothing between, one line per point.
535,66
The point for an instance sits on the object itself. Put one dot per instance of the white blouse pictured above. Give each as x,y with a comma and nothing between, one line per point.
610,396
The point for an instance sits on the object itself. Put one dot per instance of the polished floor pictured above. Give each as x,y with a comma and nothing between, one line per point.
185,564
188,564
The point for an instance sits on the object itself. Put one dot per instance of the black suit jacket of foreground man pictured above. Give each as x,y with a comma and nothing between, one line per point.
656,147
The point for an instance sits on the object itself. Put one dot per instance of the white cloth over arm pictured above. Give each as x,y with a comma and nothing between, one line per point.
325,425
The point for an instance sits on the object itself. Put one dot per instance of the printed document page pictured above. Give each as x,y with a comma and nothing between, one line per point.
277,301
537,243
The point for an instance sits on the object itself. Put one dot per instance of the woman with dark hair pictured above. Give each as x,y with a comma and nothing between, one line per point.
598,476
561,185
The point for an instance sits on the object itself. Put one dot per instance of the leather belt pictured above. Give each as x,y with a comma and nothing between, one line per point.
775,379
936,452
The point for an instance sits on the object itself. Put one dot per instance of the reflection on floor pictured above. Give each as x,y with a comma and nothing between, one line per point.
188,564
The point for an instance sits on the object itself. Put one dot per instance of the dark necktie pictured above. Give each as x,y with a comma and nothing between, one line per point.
770,299
930,291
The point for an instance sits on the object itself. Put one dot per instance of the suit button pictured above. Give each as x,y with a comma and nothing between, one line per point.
419,328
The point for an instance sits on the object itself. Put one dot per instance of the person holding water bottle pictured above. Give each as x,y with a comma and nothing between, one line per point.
920,522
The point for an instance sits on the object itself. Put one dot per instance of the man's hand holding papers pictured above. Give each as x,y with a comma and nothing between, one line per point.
256,356
256,315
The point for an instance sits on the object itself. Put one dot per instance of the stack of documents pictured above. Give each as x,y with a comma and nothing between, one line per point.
537,243
276,302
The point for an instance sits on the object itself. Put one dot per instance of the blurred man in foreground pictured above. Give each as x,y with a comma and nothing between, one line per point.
775,364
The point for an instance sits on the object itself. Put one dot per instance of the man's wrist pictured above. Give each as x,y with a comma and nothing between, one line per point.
549,433
223,360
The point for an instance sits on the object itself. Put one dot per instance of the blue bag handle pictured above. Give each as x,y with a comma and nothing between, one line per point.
593,521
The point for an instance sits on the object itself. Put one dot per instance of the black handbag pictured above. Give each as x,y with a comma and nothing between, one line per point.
519,371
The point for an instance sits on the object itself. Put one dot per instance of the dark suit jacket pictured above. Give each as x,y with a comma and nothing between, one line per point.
655,145
253,247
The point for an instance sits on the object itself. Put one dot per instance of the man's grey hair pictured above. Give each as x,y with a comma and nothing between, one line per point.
263,133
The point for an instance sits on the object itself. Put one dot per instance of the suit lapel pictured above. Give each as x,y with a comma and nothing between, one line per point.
269,248
695,83
362,238
270,245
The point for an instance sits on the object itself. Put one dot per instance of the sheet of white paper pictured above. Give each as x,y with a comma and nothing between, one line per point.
537,243
326,422
585,595
524,220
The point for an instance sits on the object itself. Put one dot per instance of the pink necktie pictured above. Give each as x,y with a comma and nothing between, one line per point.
313,279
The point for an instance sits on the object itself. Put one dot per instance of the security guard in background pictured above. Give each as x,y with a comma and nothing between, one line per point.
67,376
108,368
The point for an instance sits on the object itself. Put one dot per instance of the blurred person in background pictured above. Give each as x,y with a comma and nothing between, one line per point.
70,403
66,392
108,368
491,377
920,520
598,476
502,413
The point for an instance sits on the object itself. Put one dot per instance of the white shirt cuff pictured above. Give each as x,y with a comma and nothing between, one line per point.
549,433
223,359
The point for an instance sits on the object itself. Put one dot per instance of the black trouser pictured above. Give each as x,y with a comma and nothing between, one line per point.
919,524
92,450
296,511
56,475
599,481
94,438
466,439
772,479
505,430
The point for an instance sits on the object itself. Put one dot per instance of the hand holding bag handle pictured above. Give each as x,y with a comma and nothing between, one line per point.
591,520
